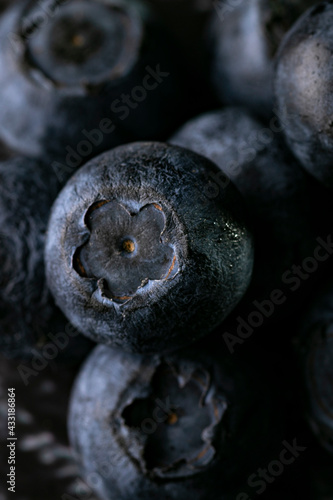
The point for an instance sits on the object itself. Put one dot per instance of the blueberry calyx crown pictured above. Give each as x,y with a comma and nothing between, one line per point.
171,432
125,249
82,42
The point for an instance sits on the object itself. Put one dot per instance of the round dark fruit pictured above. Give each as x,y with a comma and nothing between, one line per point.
304,90
138,256
79,77
243,38
191,424
275,188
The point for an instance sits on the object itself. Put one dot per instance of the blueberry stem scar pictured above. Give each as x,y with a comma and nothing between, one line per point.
128,246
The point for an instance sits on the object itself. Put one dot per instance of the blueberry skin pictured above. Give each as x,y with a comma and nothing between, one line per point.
315,347
303,89
205,243
24,195
280,201
243,39
64,87
27,311
131,446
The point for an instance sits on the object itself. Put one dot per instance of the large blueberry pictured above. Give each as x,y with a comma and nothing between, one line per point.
192,424
139,255
303,88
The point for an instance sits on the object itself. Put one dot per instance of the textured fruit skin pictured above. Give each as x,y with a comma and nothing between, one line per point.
274,187
54,115
213,248
315,347
27,310
23,226
243,41
105,441
303,89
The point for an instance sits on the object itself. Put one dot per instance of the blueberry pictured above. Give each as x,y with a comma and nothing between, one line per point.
79,77
277,192
138,256
244,37
303,87
316,356
28,317
194,423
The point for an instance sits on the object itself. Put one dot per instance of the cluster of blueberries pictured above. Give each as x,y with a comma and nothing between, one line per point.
197,255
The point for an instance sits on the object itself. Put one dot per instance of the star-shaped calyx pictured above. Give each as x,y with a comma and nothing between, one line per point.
126,250
171,432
